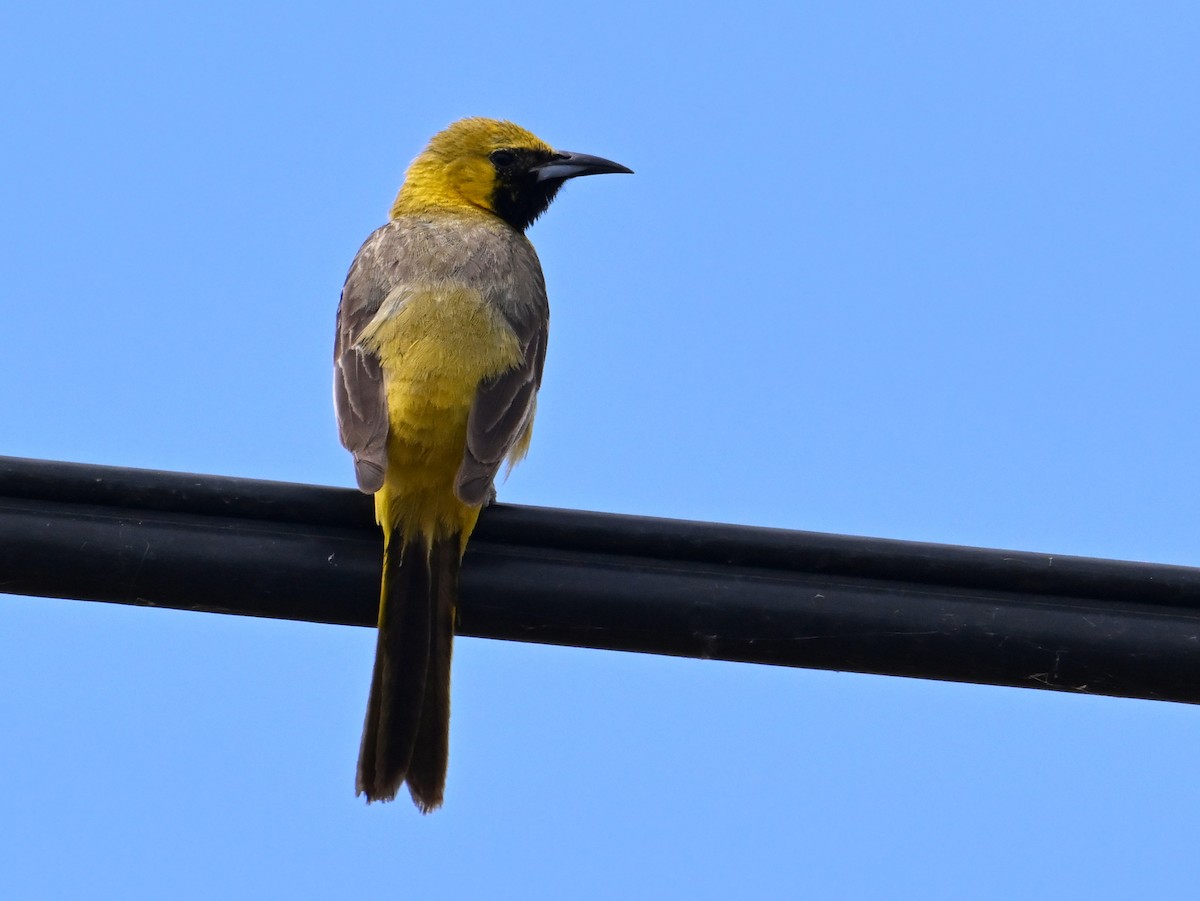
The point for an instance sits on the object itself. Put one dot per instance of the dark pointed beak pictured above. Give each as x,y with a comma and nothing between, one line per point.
569,165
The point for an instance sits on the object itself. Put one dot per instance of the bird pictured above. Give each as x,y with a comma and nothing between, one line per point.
438,356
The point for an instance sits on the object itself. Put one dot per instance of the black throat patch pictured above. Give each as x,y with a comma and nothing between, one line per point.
519,198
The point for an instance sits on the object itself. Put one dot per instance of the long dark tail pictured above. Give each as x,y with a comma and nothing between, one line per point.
407,733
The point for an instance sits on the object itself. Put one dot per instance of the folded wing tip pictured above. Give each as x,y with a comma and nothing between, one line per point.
369,475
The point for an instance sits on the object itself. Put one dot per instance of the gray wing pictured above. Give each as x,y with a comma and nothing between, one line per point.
358,391
503,408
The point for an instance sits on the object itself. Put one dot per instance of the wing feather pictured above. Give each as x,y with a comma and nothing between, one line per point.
359,398
504,406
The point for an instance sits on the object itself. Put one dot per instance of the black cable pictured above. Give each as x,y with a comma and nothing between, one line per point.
618,582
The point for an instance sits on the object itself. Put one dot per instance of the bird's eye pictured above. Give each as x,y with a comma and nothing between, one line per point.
502,158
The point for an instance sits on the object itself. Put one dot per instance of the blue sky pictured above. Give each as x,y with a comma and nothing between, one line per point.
922,271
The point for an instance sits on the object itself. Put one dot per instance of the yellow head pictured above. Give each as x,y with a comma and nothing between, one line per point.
493,167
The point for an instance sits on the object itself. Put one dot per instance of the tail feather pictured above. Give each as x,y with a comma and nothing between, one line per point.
406,734
427,770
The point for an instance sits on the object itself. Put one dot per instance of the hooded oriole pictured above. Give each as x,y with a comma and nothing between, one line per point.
441,337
